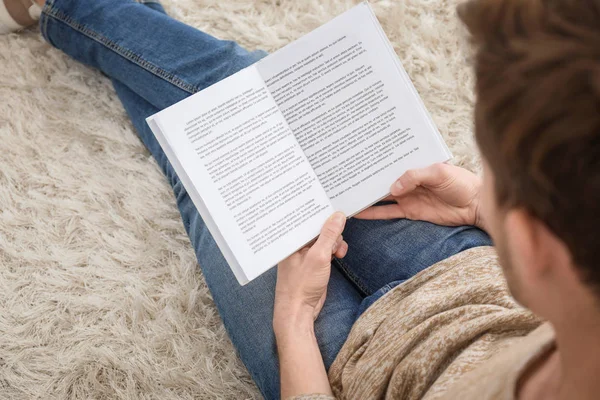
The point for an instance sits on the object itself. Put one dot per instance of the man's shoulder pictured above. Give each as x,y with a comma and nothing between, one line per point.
497,377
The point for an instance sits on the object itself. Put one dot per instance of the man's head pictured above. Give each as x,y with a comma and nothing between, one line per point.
537,123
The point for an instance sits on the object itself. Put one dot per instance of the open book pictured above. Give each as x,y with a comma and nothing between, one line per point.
325,124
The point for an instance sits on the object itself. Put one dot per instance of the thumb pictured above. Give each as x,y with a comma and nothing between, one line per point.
433,175
330,234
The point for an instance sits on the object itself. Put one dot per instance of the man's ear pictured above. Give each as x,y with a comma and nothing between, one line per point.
536,251
521,244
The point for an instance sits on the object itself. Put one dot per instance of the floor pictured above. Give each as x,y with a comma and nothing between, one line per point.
100,293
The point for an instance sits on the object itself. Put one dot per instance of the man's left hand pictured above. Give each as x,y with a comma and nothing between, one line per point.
302,278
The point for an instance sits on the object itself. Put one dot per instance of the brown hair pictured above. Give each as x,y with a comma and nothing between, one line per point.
537,115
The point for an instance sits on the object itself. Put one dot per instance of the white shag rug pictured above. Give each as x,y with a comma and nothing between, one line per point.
100,293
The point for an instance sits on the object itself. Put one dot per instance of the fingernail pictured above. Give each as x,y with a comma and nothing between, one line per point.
398,185
338,219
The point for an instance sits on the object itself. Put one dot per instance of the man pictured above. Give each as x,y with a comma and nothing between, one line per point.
537,123
415,309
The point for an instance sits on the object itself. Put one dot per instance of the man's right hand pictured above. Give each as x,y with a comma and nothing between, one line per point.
442,194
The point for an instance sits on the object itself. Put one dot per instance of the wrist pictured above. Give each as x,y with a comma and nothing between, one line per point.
300,361
293,320
479,220
476,205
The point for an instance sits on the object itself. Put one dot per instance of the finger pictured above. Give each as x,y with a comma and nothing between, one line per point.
434,175
341,250
331,231
337,243
389,211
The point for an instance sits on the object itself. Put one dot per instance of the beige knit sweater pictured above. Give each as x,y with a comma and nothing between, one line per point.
430,336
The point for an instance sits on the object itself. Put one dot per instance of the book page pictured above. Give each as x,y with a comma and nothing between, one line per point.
355,114
253,178
198,202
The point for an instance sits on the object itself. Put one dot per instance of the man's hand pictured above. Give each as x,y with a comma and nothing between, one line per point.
442,194
299,296
302,278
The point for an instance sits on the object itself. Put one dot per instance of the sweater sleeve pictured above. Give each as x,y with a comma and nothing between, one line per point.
312,396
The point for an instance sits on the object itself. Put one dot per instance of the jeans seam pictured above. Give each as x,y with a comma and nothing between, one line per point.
355,280
51,11
44,20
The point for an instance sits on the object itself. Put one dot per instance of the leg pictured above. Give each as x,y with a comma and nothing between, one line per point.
382,252
246,311
160,59
110,35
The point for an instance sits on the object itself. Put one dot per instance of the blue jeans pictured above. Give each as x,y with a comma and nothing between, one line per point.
155,61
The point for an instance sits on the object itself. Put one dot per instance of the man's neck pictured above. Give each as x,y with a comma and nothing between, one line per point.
571,370
578,345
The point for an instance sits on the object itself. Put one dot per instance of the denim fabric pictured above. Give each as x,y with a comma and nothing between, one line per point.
155,61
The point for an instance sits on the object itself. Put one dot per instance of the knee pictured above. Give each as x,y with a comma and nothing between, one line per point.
476,238
239,57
